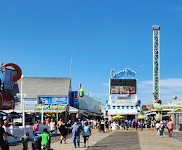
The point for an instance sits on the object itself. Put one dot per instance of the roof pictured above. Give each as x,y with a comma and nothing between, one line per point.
43,86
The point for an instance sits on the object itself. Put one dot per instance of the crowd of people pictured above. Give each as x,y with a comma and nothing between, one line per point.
157,125
79,127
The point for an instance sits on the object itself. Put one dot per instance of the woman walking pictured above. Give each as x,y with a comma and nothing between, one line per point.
35,127
170,128
63,131
86,133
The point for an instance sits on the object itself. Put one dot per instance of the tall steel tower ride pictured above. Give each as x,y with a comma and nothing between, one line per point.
156,61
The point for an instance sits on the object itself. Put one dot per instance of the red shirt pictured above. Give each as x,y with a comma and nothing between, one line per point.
47,121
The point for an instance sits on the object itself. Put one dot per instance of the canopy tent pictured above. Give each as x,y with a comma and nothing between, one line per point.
118,117
176,111
141,117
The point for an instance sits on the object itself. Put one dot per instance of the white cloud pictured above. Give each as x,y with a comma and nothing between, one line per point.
168,89
106,84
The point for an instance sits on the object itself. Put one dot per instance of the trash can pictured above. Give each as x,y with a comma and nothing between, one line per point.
36,141
180,127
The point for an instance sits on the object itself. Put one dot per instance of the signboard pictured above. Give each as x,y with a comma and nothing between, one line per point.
52,107
8,79
89,104
7,100
124,73
123,102
122,86
171,107
75,99
56,100
30,101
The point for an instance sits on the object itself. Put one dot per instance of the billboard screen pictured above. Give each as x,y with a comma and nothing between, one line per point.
122,86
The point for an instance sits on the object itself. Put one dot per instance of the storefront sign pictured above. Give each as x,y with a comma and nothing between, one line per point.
171,107
56,100
123,102
124,73
30,101
50,107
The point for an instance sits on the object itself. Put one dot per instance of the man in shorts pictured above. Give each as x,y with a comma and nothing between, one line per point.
52,128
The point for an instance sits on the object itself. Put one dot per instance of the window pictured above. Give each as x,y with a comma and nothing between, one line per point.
109,106
118,107
127,107
136,107
131,107
122,107
113,107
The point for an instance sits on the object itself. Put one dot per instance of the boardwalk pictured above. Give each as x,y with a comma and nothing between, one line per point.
125,140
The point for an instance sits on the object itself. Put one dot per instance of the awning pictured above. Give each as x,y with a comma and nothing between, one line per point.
176,111
123,112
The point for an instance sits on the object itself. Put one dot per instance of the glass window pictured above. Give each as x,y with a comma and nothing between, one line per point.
122,107
113,107
118,107
109,106
127,107
131,107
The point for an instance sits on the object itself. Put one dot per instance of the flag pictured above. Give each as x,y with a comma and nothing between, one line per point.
8,79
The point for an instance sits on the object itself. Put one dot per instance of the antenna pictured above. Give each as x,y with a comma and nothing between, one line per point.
71,68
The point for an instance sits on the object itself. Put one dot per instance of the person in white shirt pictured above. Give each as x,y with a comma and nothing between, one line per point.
7,134
157,127
52,128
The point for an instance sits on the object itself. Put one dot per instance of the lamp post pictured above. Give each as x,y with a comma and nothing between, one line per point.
22,103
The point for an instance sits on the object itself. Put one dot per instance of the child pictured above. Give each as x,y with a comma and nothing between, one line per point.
24,140
45,139
161,129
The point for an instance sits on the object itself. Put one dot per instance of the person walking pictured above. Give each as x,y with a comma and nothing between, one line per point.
2,133
106,125
136,124
35,127
52,128
86,133
129,123
6,135
58,127
170,128
161,129
133,124
24,139
45,140
69,125
102,126
76,133
157,127
47,121
63,131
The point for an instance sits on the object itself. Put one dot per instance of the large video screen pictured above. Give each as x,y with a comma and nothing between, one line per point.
122,86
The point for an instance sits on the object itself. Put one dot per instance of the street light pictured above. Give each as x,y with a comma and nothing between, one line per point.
22,103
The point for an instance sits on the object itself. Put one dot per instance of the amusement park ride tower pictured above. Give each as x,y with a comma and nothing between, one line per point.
156,62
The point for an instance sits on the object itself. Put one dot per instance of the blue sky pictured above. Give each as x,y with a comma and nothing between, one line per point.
42,36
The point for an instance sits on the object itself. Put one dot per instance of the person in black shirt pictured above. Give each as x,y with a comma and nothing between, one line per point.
63,131
2,132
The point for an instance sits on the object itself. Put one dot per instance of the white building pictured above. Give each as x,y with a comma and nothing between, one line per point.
121,105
